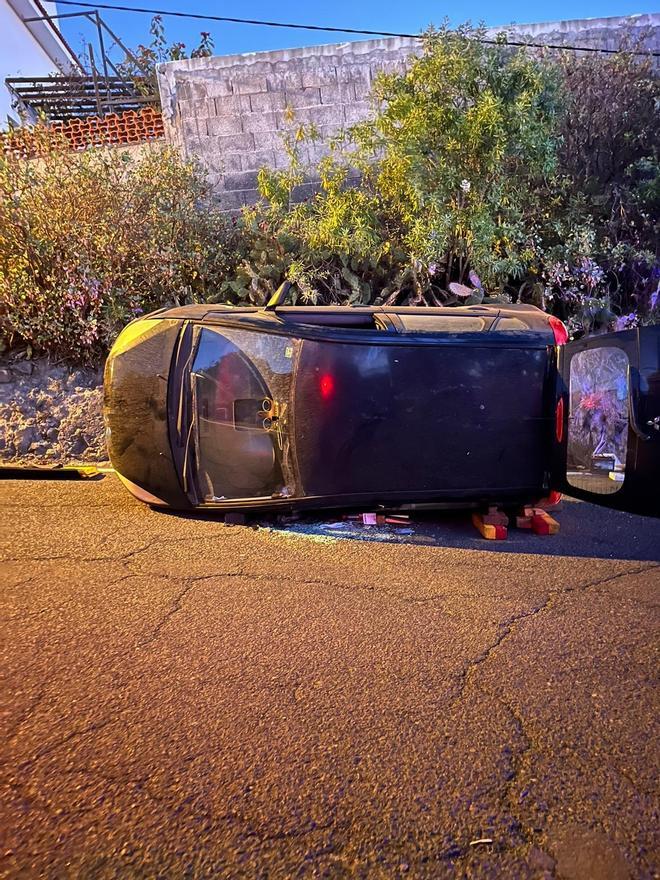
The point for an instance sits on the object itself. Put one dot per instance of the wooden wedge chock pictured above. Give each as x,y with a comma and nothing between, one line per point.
490,531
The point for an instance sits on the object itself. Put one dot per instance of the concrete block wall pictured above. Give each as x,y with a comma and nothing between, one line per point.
232,112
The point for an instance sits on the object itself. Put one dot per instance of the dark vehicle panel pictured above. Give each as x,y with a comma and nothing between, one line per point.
135,409
319,406
418,419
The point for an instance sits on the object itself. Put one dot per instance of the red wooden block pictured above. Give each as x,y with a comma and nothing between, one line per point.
544,524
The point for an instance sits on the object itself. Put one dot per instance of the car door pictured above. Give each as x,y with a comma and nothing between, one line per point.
607,420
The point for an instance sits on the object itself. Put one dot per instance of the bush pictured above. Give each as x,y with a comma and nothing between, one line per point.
451,168
539,175
90,240
600,247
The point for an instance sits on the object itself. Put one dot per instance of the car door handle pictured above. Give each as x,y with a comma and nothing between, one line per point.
633,385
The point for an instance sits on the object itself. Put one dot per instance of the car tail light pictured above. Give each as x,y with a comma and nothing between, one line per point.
326,386
559,420
559,330
550,501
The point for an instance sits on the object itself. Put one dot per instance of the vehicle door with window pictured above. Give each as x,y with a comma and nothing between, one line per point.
607,420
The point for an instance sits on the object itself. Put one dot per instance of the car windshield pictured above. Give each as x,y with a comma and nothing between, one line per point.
241,386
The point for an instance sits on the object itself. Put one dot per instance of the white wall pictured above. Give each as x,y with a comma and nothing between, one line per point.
21,53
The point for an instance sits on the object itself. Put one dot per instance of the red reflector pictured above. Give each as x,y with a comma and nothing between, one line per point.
326,386
559,420
559,330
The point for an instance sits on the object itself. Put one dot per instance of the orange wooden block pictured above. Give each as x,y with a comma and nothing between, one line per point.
488,531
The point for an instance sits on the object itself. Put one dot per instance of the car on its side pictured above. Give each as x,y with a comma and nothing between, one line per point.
289,407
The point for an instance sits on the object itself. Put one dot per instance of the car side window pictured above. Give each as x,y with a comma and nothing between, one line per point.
241,384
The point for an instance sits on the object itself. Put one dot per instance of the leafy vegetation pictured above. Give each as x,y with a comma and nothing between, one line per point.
89,240
538,175
485,173
142,62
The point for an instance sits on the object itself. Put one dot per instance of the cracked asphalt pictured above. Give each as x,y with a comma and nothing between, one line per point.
185,699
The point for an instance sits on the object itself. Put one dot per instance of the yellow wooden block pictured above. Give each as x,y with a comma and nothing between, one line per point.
488,531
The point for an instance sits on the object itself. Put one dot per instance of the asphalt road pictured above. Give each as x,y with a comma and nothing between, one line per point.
185,699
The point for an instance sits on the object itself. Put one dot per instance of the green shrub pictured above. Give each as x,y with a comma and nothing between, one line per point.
452,169
89,240
537,174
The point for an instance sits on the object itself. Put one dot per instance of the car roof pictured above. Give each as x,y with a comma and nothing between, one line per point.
406,319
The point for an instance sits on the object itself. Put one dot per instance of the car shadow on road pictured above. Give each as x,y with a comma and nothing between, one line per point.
586,531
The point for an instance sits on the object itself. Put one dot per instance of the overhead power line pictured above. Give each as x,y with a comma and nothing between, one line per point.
315,27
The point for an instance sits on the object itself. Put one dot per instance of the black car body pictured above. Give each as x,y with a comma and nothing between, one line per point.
290,407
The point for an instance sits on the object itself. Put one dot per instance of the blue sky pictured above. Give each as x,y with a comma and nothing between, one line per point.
408,17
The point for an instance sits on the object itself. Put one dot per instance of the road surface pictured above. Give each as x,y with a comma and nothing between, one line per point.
186,699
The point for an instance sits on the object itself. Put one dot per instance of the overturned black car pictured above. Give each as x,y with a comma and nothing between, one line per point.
293,407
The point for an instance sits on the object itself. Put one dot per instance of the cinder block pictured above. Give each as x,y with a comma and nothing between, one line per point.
382,67
182,89
354,73
324,114
305,191
256,159
310,97
198,90
357,112
194,128
248,85
265,102
362,90
341,93
261,121
219,86
319,76
227,163
315,152
282,78
196,107
240,181
233,143
223,125
269,140
230,105
234,201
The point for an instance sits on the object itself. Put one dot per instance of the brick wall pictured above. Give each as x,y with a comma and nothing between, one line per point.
114,130
231,111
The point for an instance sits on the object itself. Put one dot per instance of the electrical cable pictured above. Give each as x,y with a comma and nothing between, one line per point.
315,27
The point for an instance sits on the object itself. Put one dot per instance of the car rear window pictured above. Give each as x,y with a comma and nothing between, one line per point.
444,323
511,324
